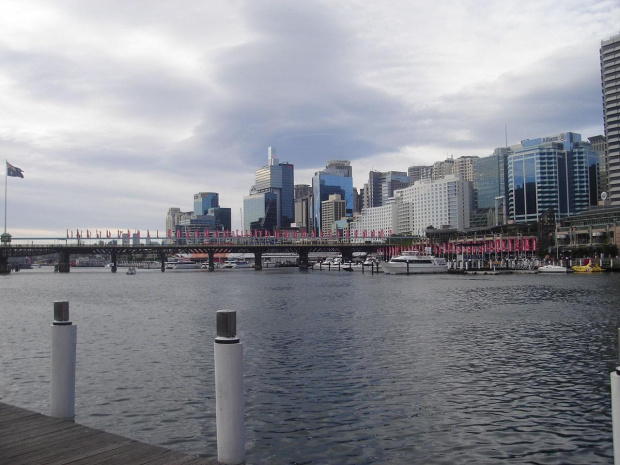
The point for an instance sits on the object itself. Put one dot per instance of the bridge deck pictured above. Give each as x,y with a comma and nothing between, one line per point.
31,438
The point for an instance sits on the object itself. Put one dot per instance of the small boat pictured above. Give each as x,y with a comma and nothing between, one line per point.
181,264
236,263
131,270
554,269
589,268
411,262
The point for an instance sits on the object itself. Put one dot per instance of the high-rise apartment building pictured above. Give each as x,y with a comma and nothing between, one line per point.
464,167
274,178
441,169
610,81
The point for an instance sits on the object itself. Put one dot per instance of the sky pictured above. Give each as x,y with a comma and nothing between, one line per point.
118,110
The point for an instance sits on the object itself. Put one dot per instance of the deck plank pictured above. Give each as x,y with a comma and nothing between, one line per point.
29,438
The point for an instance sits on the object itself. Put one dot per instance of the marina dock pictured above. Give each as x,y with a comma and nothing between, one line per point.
32,438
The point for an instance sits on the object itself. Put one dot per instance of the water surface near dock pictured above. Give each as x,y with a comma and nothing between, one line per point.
340,367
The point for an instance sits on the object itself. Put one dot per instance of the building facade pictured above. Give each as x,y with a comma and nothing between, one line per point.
610,82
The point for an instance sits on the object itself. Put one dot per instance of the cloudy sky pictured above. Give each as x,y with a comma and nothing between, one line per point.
117,110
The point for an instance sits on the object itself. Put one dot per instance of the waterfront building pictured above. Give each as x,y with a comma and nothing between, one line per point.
332,210
441,203
381,186
203,201
336,178
558,173
417,173
274,178
610,82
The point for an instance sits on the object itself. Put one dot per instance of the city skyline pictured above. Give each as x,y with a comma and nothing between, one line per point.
118,112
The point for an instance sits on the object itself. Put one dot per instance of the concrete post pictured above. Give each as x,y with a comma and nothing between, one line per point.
64,339
228,353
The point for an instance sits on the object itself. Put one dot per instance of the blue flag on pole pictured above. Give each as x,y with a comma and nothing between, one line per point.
14,171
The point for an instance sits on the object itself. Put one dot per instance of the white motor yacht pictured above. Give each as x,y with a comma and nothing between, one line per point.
410,262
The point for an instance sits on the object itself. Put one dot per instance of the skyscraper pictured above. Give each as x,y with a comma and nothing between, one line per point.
277,179
610,81
336,178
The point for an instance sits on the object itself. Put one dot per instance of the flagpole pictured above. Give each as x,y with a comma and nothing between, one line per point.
6,182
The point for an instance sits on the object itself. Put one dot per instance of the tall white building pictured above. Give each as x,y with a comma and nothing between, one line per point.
443,202
383,218
610,81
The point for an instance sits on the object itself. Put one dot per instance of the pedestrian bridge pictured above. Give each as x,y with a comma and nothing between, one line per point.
250,245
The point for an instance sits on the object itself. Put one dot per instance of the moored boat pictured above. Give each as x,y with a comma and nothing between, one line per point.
181,264
410,262
589,268
554,269
236,263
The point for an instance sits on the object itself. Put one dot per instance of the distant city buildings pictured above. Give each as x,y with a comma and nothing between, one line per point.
610,82
520,183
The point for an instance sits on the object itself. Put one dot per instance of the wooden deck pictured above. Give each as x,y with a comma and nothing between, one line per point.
31,438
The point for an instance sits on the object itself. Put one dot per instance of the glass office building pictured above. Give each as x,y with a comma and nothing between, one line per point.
490,178
325,184
260,211
205,200
556,173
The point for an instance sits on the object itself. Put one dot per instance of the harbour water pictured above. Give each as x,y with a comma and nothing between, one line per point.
339,367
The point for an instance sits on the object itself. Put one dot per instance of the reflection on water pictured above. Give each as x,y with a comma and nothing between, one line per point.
339,367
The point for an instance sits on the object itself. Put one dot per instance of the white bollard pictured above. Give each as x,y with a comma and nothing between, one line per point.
64,339
615,412
228,353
